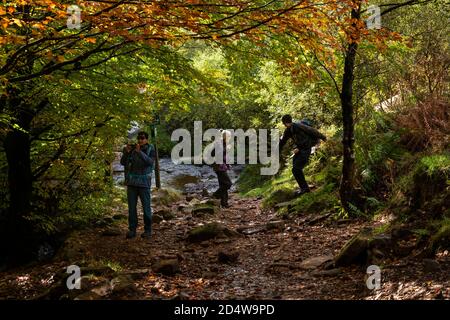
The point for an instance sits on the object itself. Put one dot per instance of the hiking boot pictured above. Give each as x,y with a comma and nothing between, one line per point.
131,234
300,192
146,235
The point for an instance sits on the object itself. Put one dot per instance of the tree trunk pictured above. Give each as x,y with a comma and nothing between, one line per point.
17,148
348,170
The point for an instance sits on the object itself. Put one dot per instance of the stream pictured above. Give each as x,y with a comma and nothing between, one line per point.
187,178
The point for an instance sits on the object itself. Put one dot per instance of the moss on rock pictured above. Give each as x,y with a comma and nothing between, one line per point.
165,196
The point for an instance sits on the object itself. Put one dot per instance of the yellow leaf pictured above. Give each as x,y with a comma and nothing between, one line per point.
91,40
18,22
38,26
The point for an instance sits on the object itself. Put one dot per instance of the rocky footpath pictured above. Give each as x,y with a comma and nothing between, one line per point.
201,251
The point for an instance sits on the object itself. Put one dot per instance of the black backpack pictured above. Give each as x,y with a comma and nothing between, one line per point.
313,135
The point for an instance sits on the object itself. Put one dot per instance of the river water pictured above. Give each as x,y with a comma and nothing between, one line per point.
187,178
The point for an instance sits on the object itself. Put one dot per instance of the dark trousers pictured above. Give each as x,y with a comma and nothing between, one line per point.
133,193
224,184
299,162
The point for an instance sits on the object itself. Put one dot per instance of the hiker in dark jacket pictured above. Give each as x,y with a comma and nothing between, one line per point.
138,162
304,137
222,175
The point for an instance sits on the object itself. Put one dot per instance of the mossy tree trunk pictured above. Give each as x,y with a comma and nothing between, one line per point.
348,170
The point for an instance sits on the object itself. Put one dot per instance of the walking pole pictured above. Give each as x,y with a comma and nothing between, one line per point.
157,172
157,175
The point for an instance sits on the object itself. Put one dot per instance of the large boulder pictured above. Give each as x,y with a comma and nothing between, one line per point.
366,247
355,250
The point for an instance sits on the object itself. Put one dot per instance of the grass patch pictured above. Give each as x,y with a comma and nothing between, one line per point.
441,239
435,165
422,184
251,182
422,233
113,265
324,198
382,229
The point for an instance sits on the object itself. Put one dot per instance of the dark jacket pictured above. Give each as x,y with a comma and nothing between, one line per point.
138,164
304,136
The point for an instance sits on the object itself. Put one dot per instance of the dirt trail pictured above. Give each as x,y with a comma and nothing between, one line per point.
268,266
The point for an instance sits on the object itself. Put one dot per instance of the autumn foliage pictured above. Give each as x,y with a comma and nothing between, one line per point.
34,34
